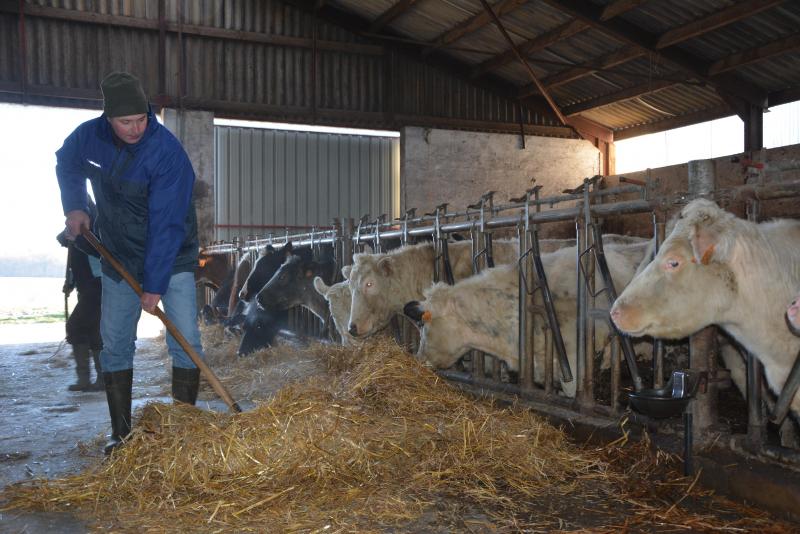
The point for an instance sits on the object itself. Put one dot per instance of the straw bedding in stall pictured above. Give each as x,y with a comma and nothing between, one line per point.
374,442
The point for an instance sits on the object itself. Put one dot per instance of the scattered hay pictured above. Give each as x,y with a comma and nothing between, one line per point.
377,443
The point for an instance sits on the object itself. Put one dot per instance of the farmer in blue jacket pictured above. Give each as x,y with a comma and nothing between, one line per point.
142,182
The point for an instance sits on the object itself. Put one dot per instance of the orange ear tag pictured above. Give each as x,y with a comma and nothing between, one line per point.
426,316
706,259
202,261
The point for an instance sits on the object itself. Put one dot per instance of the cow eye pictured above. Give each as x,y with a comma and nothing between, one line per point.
672,264
369,284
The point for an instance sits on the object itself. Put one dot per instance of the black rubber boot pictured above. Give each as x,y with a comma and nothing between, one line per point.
118,392
81,354
185,383
99,384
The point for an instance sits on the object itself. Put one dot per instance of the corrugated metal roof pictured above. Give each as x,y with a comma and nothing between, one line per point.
425,20
341,63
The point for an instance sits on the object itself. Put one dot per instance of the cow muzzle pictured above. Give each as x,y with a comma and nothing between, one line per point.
626,317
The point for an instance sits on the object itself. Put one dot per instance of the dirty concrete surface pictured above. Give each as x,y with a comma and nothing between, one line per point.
48,431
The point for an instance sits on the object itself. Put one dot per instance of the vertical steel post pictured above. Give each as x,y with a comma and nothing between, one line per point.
756,424
702,345
658,345
580,333
347,241
523,305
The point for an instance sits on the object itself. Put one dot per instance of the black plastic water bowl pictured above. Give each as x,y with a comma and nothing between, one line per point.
669,401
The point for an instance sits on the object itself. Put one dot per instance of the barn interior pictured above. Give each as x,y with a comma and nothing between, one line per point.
496,120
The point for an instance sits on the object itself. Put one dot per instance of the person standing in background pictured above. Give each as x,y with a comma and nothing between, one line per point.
83,325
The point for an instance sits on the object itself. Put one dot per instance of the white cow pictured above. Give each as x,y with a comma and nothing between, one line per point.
381,284
715,268
482,312
338,297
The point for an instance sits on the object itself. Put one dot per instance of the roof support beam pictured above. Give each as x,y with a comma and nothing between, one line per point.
390,14
632,35
674,122
714,21
586,129
525,64
669,38
752,55
618,57
559,33
745,57
619,96
472,24
614,9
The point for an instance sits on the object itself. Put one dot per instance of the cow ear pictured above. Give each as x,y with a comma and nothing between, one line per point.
321,287
705,242
413,310
385,266
346,271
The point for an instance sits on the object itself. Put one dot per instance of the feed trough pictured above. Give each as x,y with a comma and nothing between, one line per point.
670,400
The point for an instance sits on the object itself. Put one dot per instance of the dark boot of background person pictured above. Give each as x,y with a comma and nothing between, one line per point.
118,392
98,384
80,352
185,383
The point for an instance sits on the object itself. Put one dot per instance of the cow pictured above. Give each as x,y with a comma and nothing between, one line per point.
212,269
715,268
381,284
217,310
338,298
260,326
482,312
293,285
265,266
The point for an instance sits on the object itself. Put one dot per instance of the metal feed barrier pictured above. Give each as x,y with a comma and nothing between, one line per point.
525,217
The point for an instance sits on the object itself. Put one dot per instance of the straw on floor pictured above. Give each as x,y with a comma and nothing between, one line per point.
378,442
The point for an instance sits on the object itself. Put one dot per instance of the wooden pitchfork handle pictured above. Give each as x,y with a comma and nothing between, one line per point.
205,369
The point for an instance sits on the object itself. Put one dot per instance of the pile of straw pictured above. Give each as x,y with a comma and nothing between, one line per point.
381,443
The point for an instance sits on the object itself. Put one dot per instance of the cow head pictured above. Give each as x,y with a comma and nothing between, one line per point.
259,328
268,262
689,284
285,288
441,341
375,296
338,298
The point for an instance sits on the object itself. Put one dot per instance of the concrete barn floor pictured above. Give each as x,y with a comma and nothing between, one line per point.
48,431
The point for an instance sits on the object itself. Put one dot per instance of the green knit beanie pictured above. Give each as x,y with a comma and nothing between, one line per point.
123,95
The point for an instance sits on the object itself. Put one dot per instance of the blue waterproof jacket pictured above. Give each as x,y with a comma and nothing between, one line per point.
146,217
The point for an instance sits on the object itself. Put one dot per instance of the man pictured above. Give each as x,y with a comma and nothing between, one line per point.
83,325
142,182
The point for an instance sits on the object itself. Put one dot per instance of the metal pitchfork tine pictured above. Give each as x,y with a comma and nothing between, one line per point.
205,369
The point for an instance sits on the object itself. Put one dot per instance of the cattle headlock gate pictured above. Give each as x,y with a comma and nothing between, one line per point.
597,396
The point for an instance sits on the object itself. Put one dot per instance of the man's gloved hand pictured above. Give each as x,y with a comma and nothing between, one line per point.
76,219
